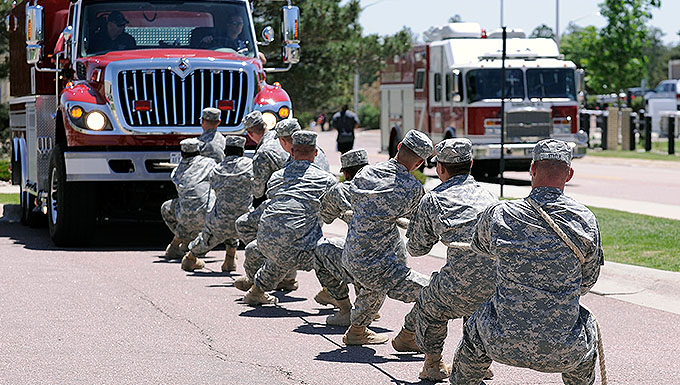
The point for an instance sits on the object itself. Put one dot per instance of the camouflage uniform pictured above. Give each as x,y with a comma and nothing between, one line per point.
534,319
374,253
290,226
212,141
185,215
231,181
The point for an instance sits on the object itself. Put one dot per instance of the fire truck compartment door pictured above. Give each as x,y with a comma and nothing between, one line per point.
118,166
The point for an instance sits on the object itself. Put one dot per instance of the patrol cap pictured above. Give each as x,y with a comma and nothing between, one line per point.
190,145
307,138
235,141
211,114
287,127
458,150
358,157
419,143
252,119
553,149
117,18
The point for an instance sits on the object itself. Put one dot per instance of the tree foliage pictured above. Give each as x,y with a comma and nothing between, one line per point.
543,31
332,50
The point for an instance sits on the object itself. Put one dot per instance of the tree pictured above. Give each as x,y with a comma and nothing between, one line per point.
456,19
582,45
543,31
658,55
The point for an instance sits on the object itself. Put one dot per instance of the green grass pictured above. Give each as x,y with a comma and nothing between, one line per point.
639,240
4,170
9,199
652,155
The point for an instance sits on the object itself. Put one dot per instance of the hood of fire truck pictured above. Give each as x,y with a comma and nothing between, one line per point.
151,54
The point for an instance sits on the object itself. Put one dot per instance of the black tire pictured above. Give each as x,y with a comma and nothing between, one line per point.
71,206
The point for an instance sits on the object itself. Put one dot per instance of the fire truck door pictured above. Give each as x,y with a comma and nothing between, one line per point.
437,90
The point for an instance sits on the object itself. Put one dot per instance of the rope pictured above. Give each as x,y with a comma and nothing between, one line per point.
600,354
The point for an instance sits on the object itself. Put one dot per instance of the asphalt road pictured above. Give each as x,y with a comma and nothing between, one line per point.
118,313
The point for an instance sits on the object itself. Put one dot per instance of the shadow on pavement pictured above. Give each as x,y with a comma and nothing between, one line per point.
362,355
320,329
274,312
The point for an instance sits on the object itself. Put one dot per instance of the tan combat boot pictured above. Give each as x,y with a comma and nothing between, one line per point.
229,260
405,341
255,296
488,375
174,250
191,263
243,283
434,368
287,284
323,297
360,335
341,318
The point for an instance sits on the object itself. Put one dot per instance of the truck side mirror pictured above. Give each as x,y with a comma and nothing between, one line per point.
291,37
580,80
267,35
34,33
456,79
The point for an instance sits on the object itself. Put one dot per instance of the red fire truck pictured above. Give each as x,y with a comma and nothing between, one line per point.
103,91
451,87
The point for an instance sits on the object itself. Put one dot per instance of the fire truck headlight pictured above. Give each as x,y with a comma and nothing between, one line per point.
269,120
95,121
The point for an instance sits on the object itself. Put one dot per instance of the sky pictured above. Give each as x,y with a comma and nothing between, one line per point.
386,17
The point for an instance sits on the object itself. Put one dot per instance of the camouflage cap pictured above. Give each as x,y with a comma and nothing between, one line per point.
252,119
307,138
190,145
554,149
358,157
457,150
235,141
287,127
419,143
211,114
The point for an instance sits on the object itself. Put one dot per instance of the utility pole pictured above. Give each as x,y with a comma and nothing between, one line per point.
356,92
557,23
501,13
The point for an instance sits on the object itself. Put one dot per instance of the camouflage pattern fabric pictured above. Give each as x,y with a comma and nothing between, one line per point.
290,225
335,203
270,157
231,182
449,212
374,253
329,268
185,215
534,319
212,145
246,224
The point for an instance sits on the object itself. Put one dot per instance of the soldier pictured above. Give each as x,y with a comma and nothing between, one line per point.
212,141
335,204
447,212
548,253
289,227
232,182
185,215
374,253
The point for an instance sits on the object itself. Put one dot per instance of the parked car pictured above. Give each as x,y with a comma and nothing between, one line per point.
606,100
666,89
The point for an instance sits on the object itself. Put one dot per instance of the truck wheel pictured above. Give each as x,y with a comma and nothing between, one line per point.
71,206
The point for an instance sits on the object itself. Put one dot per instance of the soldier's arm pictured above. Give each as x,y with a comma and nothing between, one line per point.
591,268
332,205
481,240
421,234
246,224
413,203
262,171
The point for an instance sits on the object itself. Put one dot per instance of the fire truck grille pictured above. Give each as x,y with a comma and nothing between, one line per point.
527,124
159,98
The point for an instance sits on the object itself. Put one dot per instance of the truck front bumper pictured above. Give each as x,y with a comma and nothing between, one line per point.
517,150
118,166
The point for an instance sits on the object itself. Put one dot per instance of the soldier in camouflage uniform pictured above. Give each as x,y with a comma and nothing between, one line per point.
335,204
185,215
212,141
534,319
232,182
289,227
374,253
448,212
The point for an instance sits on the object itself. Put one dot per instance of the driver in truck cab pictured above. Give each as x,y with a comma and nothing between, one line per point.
112,36
227,38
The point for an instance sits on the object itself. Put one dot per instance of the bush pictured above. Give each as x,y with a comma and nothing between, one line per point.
419,176
369,115
4,170
304,118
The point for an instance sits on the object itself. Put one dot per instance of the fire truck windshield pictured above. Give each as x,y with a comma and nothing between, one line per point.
118,26
551,83
486,84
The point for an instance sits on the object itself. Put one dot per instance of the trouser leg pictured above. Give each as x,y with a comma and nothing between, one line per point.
407,289
253,260
366,305
168,213
269,275
470,362
329,270
204,242
583,374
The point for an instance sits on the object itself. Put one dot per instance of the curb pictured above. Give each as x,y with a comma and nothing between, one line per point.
10,213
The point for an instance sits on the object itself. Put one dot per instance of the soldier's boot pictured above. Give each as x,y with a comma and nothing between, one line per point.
405,341
323,297
191,263
287,284
376,317
174,250
243,283
434,368
488,375
360,335
341,318
229,260
255,296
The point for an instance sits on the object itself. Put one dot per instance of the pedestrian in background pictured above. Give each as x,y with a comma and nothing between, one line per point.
212,141
548,254
345,121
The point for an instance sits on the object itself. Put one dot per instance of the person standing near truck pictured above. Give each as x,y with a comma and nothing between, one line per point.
345,121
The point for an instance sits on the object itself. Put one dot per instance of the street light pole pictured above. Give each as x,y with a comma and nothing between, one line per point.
501,13
557,23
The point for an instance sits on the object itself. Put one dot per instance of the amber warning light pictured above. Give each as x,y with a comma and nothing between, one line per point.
225,105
